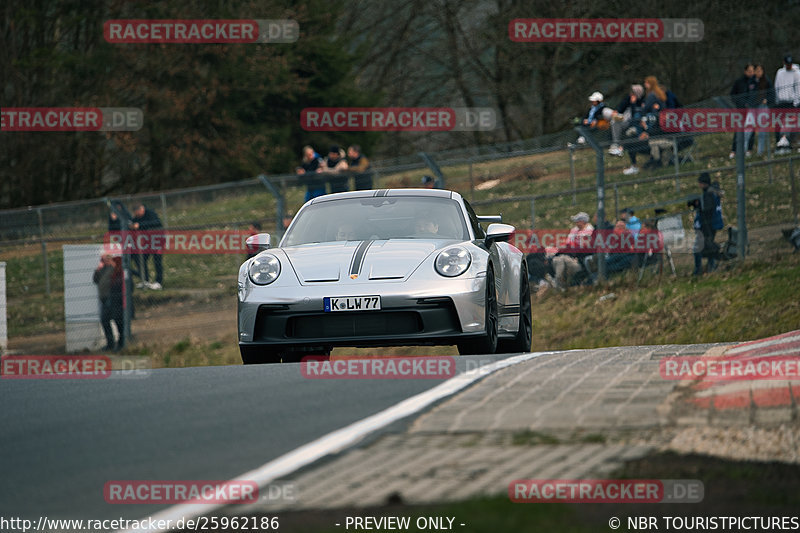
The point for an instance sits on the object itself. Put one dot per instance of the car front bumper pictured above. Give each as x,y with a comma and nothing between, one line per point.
446,312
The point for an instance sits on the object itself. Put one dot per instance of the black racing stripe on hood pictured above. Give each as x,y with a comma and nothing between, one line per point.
358,257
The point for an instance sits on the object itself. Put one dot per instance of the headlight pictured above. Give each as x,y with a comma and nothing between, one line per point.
453,262
264,269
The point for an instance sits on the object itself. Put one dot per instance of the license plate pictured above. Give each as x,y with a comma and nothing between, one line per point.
351,303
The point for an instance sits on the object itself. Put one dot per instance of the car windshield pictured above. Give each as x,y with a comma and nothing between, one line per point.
356,219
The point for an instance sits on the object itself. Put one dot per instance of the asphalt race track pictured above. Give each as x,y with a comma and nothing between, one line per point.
62,440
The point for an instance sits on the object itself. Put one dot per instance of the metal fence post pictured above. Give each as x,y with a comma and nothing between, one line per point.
127,280
740,195
533,213
676,159
616,200
280,204
769,158
794,189
471,183
44,252
3,313
164,211
572,174
601,196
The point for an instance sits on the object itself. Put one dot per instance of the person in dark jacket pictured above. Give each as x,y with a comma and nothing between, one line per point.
704,245
108,277
145,219
627,113
762,100
360,167
336,168
116,222
742,94
310,168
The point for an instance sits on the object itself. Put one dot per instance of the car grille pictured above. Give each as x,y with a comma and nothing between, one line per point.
330,325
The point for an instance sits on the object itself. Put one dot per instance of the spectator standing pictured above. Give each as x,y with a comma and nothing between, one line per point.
763,99
108,277
567,261
742,95
787,96
360,167
705,207
115,223
628,112
145,219
336,164
311,165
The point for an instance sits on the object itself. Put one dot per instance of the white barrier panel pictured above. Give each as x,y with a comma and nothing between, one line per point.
3,310
81,304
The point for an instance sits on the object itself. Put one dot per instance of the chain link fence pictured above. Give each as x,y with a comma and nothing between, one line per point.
52,252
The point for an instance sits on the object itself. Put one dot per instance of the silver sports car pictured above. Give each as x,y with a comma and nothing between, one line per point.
384,268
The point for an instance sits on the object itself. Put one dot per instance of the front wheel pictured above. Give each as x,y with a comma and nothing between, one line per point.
258,355
487,343
522,340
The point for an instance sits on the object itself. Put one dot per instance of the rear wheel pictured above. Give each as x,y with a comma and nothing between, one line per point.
522,340
485,344
258,355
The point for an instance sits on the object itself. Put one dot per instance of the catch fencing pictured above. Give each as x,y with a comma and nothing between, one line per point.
537,183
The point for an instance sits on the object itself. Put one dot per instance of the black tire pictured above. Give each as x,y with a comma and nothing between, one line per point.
522,340
258,355
485,344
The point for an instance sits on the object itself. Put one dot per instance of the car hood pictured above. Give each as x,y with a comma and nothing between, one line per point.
361,260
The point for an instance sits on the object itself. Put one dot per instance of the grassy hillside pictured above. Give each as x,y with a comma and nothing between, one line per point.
740,301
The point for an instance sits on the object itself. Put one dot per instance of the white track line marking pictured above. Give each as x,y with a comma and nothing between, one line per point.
337,440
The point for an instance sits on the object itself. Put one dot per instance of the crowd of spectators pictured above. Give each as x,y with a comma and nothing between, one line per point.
332,173
634,126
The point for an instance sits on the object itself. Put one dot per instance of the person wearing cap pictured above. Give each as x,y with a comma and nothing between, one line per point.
704,232
336,163
567,261
787,96
428,182
632,223
595,114
628,112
